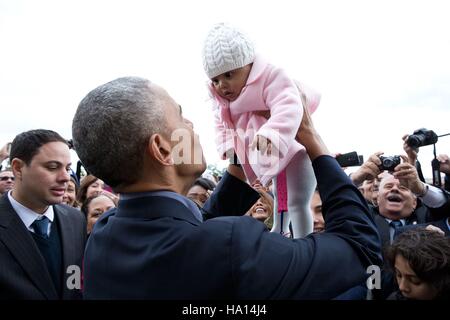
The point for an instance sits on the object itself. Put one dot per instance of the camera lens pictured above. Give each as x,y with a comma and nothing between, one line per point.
387,163
414,141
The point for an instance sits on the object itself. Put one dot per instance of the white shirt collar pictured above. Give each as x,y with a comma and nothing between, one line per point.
403,221
27,215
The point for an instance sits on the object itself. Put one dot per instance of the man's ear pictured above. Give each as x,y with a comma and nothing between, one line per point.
160,150
414,202
17,167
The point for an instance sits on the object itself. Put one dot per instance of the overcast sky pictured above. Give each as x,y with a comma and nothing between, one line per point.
382,67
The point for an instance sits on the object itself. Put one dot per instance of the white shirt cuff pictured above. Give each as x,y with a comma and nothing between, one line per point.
434,197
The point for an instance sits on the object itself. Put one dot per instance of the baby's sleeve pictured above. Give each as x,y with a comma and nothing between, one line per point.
224,136
286,111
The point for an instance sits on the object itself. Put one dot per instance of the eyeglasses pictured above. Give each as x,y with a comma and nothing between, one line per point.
6,178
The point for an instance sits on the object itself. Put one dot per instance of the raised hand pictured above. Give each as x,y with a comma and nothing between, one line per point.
444,162
369,170
411,152
407,174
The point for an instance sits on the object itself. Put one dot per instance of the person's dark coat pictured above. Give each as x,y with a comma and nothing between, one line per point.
154,248
23,270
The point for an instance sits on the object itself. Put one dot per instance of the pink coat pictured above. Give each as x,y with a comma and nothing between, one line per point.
237,122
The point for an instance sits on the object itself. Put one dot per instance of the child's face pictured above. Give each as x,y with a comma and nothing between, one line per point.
409,284
228,85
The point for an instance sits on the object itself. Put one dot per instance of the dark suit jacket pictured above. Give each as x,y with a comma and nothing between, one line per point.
154,248
418,216
23,271
442,224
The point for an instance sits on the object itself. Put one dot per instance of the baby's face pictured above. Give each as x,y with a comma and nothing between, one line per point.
228,85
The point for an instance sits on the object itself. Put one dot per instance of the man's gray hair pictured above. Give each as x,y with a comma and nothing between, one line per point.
112,126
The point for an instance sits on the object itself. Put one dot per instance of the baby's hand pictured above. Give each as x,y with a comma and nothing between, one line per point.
262,144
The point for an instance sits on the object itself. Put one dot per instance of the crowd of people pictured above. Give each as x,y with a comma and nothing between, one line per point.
181,220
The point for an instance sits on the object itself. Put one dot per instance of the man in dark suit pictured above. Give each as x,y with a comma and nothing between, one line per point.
155,245
403,201
41,241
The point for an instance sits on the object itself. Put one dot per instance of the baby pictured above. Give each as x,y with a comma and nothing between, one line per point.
258,110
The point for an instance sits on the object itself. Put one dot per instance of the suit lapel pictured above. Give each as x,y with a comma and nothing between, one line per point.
383,229
67,234
20,243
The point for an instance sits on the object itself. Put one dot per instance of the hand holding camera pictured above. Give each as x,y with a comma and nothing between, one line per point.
411,152
412,143
4,151
389,163
407,174
422,137
444,161
369,169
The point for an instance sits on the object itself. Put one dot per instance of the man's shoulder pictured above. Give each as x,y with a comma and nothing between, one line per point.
442,224
68,212
241,227
4,198
65,208
229,220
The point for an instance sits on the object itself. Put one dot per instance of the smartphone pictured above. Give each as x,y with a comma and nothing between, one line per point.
349,159
361,159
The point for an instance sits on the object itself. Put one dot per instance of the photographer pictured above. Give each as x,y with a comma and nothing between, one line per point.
368,176
403,200
436,199
431,196
425,203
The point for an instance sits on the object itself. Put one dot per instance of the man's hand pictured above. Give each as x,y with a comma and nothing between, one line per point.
444,163
369,170
435,229
4,152
237,172
310,138
411,152
407,174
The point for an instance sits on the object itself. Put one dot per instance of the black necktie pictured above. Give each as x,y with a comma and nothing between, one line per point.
396,224
41,226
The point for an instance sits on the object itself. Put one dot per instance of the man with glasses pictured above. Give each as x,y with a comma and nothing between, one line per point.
6,181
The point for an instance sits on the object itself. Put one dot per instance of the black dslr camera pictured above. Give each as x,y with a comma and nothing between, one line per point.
422,137
389,163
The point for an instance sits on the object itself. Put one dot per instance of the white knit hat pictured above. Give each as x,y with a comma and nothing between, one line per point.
226,49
